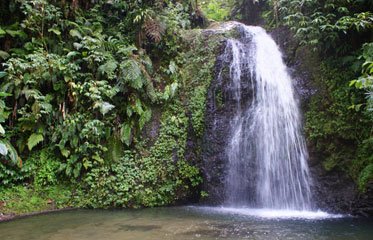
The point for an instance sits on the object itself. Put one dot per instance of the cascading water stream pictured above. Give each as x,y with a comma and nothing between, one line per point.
267,158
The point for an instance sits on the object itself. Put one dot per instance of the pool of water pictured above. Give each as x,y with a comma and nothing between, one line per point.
185,223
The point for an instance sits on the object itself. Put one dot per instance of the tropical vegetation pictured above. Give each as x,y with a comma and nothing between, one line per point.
98,99
79,82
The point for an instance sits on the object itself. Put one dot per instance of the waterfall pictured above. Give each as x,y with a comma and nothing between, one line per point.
267,157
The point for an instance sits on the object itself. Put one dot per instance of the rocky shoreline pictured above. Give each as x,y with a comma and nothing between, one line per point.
7,217
13,216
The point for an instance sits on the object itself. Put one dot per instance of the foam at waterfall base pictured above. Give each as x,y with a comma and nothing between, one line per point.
273,213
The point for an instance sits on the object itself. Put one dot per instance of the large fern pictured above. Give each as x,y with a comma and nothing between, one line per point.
34,140
154,29
131,74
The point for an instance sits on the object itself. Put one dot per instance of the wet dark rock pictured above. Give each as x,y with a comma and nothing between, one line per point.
333,191
363,204
220,108
215,139
151,129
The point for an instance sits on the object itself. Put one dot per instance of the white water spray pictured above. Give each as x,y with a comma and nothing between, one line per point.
266,144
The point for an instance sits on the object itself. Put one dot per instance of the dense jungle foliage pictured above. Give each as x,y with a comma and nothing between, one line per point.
82,83
79,82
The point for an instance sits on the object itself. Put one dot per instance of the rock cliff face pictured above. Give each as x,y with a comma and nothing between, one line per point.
220,108
333,191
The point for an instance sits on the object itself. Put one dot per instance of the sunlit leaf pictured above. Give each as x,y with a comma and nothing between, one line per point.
34,140
2,131
4,55
105,107
3,149
125,133
2,74
75,33
55,31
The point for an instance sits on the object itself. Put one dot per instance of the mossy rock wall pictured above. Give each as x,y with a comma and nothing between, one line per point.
323,94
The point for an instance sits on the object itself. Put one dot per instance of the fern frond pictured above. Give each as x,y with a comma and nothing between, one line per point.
131,73
154,29
34,140
115,149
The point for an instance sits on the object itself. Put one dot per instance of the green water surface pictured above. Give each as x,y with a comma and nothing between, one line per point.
178,223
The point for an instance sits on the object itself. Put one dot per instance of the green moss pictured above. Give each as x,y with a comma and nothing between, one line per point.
26,199
197,107
339,134
217,10
147,178
365,176
196,74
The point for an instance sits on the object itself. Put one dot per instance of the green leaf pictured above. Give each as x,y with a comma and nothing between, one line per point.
34,140
72,54
172,68
2,74
3,148
16,33
98,158
75,33
132,73
115,149
144,118
125,133
4,94
359,84
77,46
55,31
77,169
65,152
2,131
2,32
109,68
170,91
352,83
12,153
173,89
127,51
357,107
29,46
4,55
31,93
138,107
105,107
86,164
129,111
